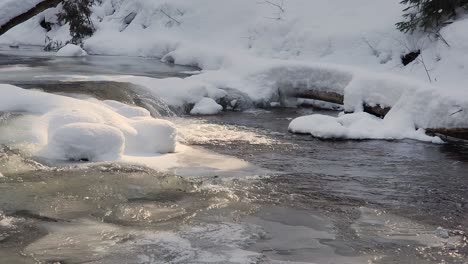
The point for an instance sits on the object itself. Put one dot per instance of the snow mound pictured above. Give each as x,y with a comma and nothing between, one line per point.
86,141
71,50
206,106
153,136
66,128
357,126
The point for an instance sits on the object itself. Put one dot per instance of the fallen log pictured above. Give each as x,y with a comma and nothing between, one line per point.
459,133
337,98
330,97
20,18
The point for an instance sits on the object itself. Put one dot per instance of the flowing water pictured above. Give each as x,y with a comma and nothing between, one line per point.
298,199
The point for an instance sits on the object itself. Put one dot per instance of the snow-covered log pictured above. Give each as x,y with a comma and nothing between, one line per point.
25,11
331,97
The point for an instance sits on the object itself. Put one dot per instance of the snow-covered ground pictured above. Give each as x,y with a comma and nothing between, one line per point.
266,48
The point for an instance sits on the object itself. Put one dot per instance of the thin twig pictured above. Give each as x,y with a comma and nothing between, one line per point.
170,17
279,6
425,68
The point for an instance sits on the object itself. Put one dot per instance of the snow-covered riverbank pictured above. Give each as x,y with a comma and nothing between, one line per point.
264,49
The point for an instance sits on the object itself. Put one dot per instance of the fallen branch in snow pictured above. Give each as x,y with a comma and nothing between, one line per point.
459,111
20,18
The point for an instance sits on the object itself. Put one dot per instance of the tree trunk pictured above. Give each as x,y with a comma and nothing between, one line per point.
46,4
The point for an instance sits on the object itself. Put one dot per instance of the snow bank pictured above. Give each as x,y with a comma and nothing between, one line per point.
206,106
357,126
71,50
65,128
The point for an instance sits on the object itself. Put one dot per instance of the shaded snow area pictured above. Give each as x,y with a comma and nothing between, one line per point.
63,128
261,52
71,50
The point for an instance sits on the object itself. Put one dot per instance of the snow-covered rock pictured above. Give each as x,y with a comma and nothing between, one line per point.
86,141
206,106
357,126
66,128
71,50
153,136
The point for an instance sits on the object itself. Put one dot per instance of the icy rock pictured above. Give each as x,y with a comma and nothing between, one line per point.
153,136
86,141
206,106
71,50
442,233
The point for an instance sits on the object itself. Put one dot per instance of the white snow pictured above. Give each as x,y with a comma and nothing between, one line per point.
152,136
357,126
86,141
65,128
206,106
71,50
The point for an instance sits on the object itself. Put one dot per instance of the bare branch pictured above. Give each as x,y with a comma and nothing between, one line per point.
459,111
279,6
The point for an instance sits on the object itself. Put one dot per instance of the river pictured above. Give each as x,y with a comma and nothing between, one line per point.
299,200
